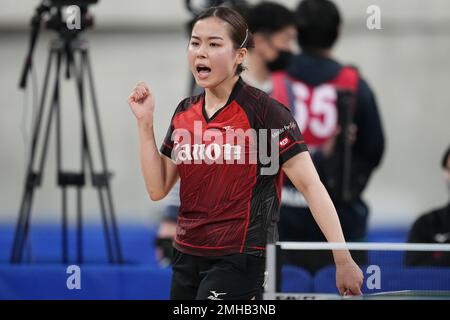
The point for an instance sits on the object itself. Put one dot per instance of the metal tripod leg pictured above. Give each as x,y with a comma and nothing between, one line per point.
33,179
104,168
112,244
79,227
57,110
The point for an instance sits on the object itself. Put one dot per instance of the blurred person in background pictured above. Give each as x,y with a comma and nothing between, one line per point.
275,35
432,227
311,86
167,228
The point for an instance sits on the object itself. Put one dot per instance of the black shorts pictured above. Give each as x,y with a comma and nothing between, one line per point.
231,277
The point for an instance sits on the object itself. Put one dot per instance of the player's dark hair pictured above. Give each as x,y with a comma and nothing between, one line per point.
317,24
445,158
238,28
269,17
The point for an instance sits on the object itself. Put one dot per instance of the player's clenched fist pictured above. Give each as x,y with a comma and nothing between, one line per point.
141,102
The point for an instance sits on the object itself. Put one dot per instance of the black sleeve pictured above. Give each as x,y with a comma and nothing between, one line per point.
167,144
420,233
282,126
421,230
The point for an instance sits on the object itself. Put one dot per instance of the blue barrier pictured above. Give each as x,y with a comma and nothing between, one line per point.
45,244
141,278
295,279
145,282
105,282
97,282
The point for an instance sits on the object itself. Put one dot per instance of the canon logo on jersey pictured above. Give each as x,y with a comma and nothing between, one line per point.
211,153
229,145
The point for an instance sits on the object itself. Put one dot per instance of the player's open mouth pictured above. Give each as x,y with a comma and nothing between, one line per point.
203,71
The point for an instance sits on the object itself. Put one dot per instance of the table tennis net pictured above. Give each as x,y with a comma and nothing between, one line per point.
391,270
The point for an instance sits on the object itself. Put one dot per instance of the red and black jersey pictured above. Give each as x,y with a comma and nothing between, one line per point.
229,198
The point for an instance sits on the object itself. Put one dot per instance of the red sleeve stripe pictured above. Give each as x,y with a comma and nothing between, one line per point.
165,144
296,142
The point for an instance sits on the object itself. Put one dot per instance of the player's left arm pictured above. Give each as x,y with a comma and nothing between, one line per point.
302,173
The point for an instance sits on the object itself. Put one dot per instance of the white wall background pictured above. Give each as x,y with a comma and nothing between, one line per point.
406,63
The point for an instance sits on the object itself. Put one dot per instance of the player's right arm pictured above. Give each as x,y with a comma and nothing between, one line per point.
160,173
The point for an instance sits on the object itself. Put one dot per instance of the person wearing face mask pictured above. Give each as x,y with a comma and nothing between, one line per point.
432,227
274,34
338,114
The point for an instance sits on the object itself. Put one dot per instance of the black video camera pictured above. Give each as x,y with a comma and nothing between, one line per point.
66,16
51,12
